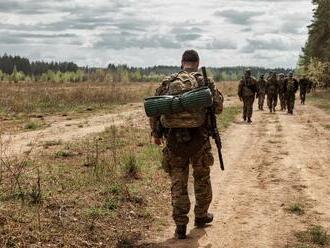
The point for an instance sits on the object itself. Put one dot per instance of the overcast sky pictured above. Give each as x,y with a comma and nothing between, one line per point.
156,32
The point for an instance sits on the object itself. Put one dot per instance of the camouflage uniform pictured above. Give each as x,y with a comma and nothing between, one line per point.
247,89
304,86
177,155
291,87
261,85
281,92
272,92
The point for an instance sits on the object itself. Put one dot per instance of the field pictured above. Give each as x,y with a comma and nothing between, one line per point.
77,170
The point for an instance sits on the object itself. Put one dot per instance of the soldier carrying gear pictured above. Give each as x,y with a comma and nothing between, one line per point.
272,92
261,86
304,88
247,90
281,91
291,87
188,144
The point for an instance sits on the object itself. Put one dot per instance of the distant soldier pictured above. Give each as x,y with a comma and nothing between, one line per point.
247,90
281,91
291,87
187,142
304,88
261,87
272,92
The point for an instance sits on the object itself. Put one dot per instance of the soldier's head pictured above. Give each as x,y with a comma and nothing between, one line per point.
291,74
247,73
262,76
190,60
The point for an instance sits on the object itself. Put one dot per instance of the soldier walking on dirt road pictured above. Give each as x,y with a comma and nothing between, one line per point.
247,90
304,88
281,91
261,86
291,87
272,92
187,143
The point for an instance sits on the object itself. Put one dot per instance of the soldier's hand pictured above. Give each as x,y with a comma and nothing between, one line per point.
240,99
158,141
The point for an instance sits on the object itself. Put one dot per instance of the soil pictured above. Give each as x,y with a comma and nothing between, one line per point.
276,162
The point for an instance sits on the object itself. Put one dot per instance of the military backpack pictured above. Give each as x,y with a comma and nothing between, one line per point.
177,85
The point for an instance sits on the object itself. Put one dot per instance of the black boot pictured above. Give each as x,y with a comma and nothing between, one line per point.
244,118
180,232
249,120
201,222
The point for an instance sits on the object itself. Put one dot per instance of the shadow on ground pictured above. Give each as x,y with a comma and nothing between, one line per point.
192,241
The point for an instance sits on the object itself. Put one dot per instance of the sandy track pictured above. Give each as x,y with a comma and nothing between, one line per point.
69,130
277,161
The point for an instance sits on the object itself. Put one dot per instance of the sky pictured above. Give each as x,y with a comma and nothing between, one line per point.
156,32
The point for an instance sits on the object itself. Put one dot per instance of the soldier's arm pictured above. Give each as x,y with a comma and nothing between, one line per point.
217,97
240,88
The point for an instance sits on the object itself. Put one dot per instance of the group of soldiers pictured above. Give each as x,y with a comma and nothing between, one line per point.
186,145
282,87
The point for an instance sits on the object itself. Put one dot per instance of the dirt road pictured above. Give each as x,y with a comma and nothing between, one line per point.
271,165
61,129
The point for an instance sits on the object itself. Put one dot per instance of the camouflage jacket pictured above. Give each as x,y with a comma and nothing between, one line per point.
293,87
272,86
156,128
261,86
281,86
247,87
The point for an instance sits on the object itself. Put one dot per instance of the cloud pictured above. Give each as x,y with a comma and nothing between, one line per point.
149,32
237,16
268,43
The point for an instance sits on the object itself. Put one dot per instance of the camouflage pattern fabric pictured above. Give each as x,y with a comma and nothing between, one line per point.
282,93
177,156
272,90
248,106
155,122
291,87
304,86
247,89
272,101
261,100
178,168
261,85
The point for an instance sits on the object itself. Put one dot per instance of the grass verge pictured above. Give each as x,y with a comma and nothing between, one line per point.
227,117
321,99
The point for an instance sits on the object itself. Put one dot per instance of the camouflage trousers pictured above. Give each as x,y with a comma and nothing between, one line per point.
303,96
248,106
178,168
283,97
261,100
290,102
271,101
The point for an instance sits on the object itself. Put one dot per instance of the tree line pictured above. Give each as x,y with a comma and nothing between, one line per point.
315,59
16,68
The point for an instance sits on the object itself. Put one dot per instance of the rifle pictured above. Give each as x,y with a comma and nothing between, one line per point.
213,123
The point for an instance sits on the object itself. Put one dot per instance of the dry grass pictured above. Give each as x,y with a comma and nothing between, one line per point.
53,98
229,88
321,99
95,193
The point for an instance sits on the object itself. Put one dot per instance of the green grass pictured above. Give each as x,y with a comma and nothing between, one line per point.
296,208
32,125
314,235
321,100
228,116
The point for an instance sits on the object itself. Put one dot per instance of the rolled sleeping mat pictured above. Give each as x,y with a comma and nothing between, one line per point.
189,101
197,99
